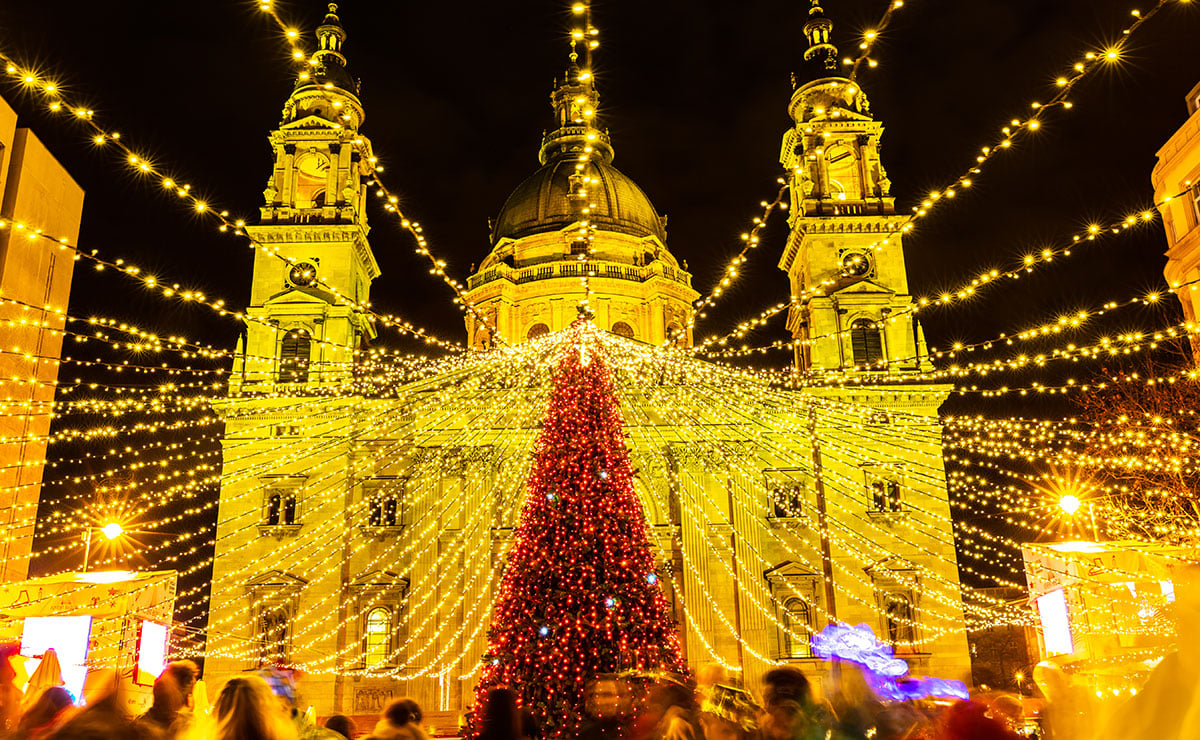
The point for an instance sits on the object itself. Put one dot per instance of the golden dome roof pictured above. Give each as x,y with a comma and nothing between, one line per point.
541,204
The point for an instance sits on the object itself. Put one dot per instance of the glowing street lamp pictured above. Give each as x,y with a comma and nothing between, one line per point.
111,531
1069,503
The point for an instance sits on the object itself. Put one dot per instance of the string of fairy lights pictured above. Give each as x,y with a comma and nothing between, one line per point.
448,442
1093,60
391,202
51,92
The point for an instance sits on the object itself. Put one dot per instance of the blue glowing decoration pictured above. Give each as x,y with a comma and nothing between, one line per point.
884,672
495,661
610,602
543,630
603,475
858,645
651,578
550,497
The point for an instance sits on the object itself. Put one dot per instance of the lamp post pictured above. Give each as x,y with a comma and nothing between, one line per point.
1021,695
111,531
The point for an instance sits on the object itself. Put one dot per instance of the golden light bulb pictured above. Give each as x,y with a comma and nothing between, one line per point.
1069,503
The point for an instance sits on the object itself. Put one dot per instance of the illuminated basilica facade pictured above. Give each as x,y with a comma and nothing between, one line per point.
361,534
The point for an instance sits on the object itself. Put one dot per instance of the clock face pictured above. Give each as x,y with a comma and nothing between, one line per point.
302,274
313,166
855,264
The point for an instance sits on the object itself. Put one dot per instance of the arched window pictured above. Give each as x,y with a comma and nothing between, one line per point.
622,329
319,200
294,355
885,496
797,619
289,509
281,506
901,618
676,334
483,339
311,175
377,638
843,172
866,342
537,330
273,637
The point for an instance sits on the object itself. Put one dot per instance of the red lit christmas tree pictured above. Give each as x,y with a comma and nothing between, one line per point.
580,595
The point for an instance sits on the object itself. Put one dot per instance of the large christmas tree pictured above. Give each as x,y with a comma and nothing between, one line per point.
580,595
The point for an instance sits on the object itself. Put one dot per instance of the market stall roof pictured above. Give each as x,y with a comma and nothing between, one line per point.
95,593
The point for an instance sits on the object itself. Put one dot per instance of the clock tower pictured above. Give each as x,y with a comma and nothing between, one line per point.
313,274
852,311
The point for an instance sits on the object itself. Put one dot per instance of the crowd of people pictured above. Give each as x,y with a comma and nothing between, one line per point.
633,706
617,707
789,708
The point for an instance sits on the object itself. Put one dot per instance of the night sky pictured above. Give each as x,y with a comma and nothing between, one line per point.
695,96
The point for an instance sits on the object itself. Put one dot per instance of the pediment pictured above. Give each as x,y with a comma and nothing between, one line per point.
864,287
309,123
893,564
789,569
380,579
276,578
302,295
849,114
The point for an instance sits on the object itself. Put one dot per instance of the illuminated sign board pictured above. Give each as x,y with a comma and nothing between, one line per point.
151,652
69,636
1056,624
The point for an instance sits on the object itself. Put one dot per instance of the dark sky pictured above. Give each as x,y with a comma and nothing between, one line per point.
695,96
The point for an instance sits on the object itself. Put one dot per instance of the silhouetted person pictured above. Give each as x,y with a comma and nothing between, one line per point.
854,703
789,711
342,725
104,717
401,720
49,711
968,720
604,719
247,709
169,715
501,719
671,712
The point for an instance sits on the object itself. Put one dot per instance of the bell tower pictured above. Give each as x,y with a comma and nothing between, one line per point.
844,256
306,313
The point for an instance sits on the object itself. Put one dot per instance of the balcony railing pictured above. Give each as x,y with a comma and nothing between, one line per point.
578,269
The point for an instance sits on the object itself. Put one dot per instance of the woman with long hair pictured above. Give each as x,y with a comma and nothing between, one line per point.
246,709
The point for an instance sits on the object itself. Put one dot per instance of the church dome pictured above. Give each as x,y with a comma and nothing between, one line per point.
541,204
